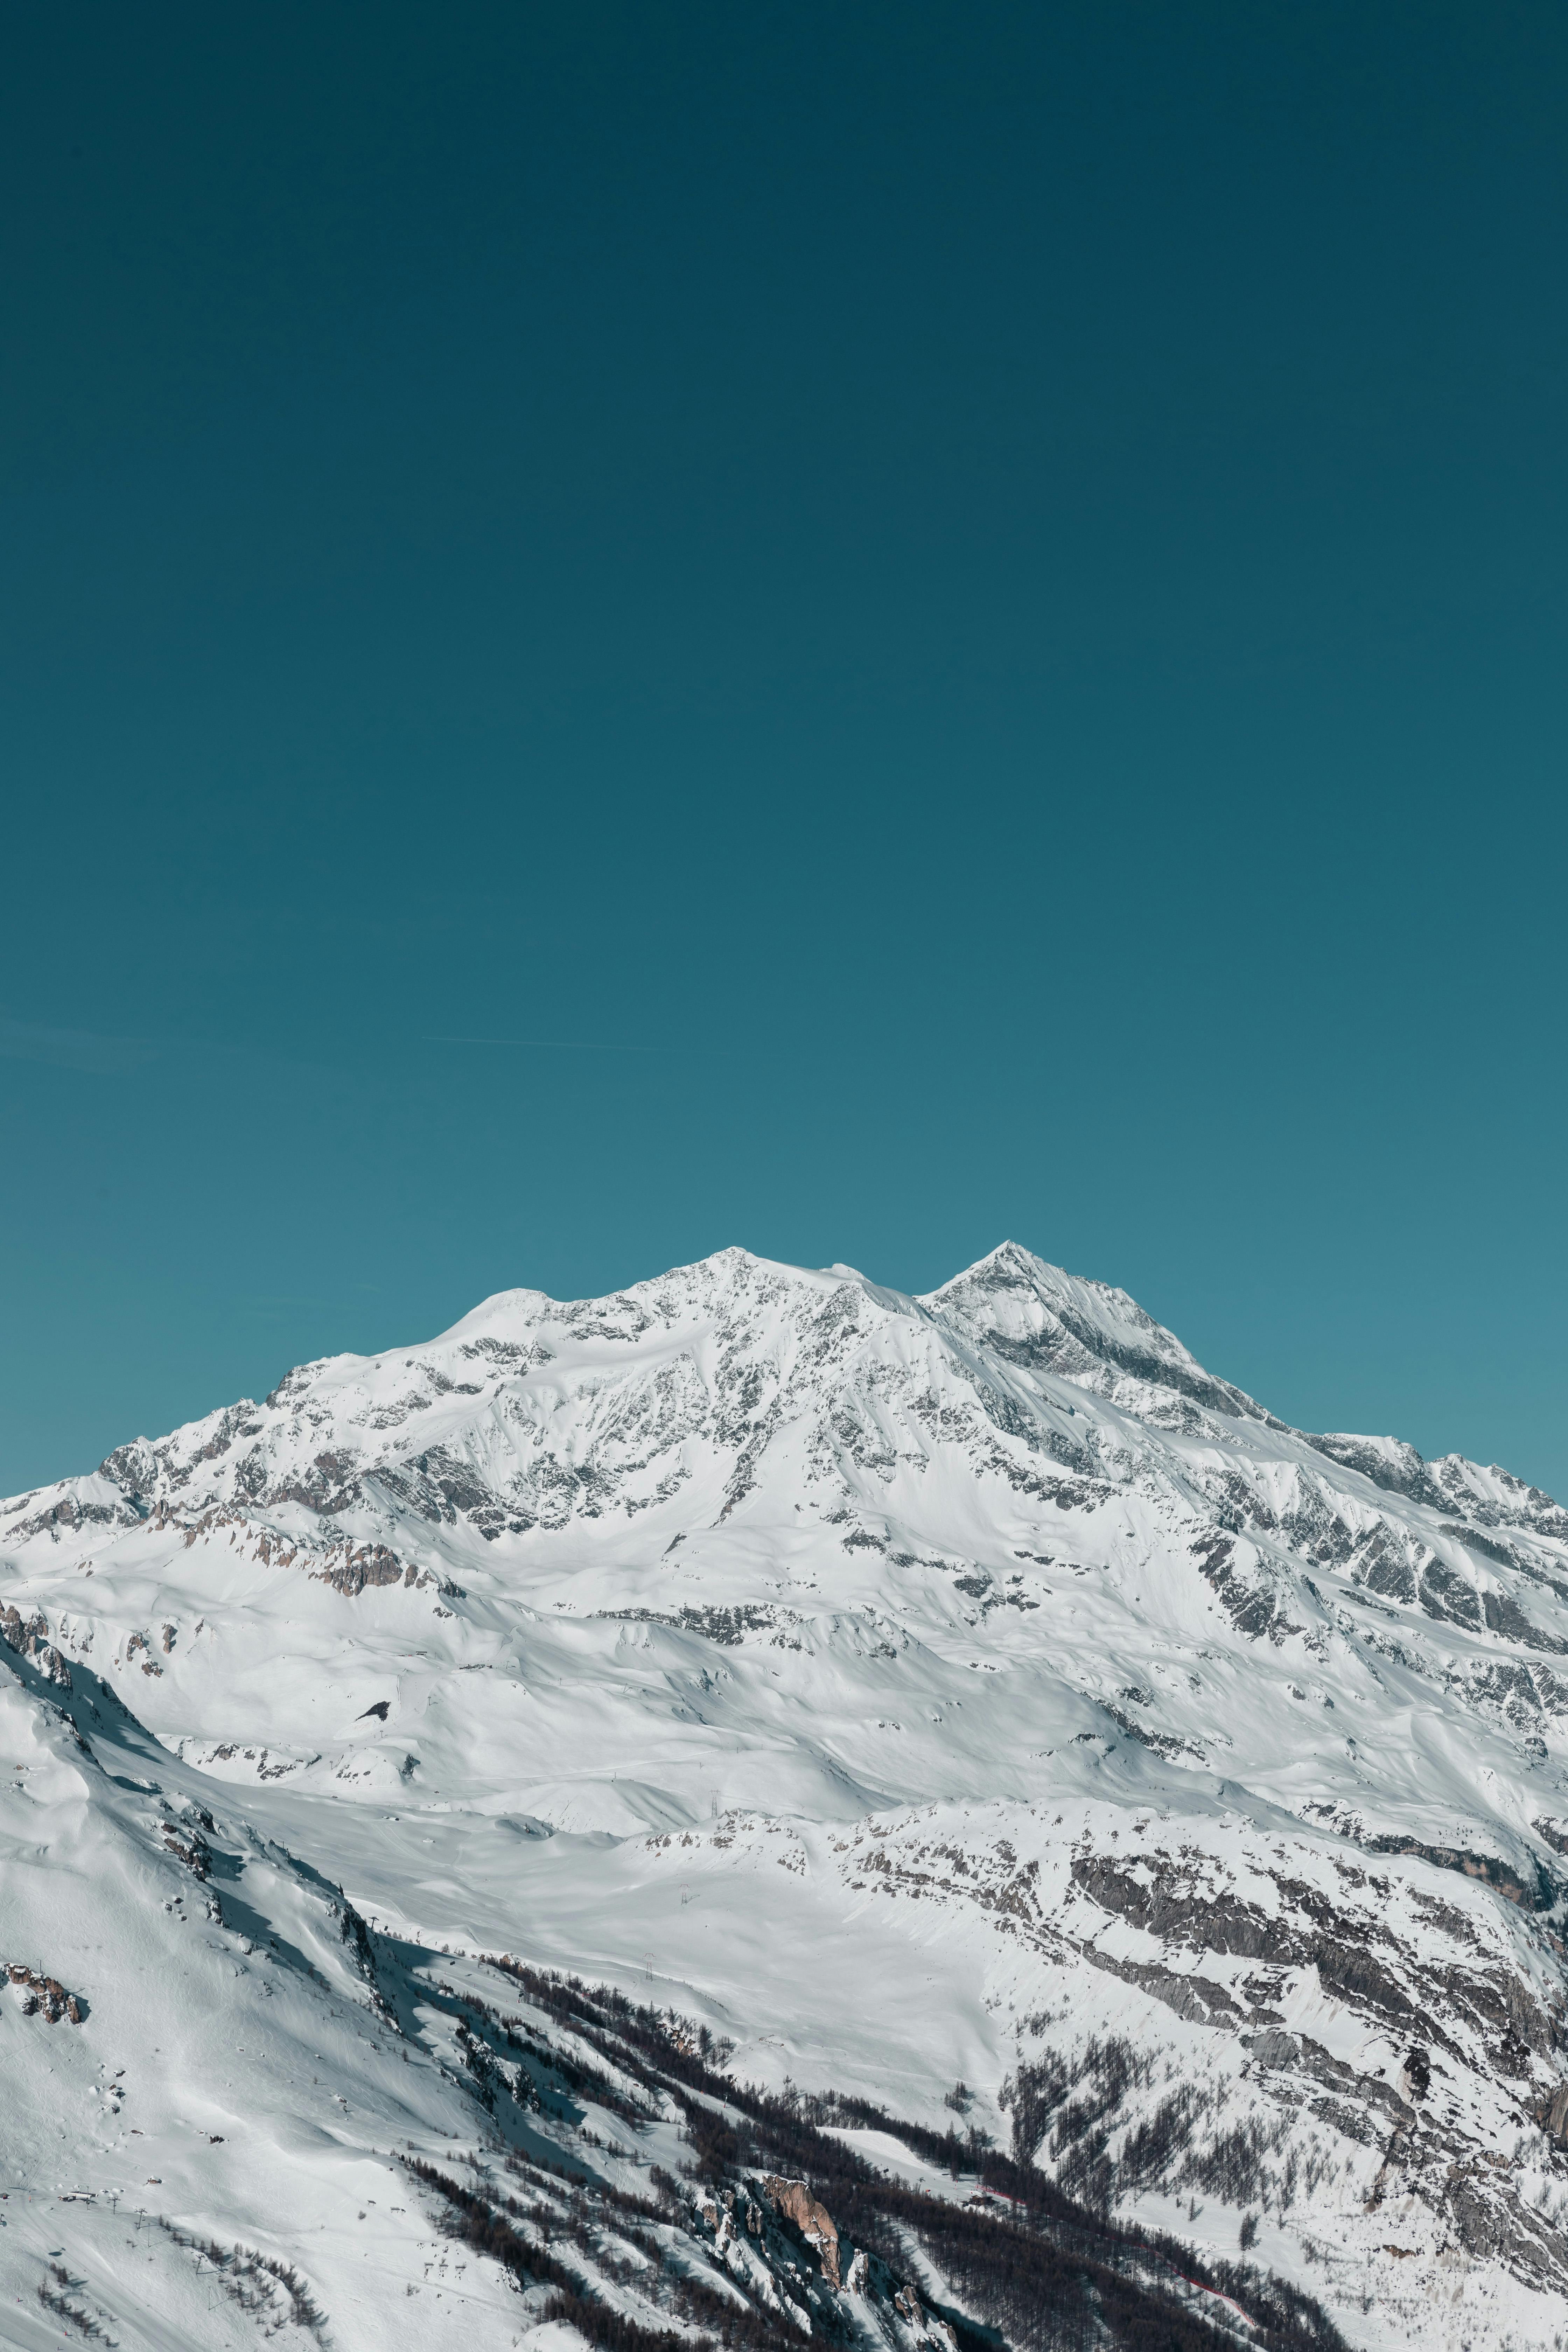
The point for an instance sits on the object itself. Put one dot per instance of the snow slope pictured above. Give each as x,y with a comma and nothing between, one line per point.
971,1686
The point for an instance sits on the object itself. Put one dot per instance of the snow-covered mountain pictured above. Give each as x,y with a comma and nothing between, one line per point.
966,1706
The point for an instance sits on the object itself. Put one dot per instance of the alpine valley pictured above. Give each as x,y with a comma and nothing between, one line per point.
762,1809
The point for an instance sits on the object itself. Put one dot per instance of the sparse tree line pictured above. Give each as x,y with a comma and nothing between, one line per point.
1048,2268
256,2281
1074,2114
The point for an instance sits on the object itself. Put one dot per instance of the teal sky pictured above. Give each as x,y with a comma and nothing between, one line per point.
856,629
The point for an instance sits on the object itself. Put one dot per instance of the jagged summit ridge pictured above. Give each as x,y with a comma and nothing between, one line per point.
1023,1312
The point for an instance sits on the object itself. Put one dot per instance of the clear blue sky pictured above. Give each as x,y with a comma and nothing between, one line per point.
948,620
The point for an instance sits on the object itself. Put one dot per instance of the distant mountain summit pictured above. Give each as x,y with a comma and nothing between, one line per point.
1035,1314
971,1686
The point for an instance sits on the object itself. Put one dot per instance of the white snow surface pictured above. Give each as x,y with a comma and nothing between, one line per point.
910,1689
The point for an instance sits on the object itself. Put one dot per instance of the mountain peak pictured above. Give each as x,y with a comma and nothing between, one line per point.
1039,1315
680,1621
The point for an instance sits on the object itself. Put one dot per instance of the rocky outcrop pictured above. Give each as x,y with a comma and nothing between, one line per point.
1552,2116
71,1516
795,2201
45,1994
1537,1895
363,1565
196,1855
30,1639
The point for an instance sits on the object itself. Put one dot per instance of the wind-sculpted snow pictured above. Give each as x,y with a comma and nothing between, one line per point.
965,1687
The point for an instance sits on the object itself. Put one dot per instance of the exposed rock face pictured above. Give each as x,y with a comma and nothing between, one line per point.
892,2307
46,1993
30,1640
197,1855
795,2201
